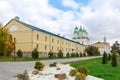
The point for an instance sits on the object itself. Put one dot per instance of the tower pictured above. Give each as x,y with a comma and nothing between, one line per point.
104,39
80,35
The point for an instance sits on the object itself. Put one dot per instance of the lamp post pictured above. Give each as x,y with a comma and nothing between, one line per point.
14,48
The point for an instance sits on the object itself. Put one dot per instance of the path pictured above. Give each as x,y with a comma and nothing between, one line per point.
9,69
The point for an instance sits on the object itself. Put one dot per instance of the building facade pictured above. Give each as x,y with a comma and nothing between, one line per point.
81,35
103,46
29,37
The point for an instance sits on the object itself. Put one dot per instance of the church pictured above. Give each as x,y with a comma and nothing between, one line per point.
81,35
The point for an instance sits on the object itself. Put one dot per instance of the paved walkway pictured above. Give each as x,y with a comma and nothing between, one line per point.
9,69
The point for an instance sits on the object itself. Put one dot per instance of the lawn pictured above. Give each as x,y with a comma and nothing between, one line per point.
96,68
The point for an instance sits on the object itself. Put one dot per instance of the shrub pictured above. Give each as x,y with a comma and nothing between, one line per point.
39,66
50,54
80,54
72,72
23,76
35,54
68,55
1,54
84,54
19,53
77,55
60,54
83,70
72,55
114,60
104,59
109,57
80,76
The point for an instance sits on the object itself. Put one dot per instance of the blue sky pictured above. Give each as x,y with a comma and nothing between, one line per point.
99,17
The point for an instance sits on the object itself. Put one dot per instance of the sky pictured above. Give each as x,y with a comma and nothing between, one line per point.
99,17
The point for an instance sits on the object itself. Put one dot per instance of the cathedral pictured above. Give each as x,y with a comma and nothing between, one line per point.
81,35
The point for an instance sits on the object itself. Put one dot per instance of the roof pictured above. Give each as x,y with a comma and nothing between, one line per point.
44,31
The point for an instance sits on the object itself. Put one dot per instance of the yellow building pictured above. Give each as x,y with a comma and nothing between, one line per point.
103,46
29,37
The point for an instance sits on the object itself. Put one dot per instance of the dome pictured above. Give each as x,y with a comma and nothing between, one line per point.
76,30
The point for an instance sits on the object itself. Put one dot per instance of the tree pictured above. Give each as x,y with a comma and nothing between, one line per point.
114,48
92,51
60,54
6,42
68,55
35,54
114,60
104,59
50,54
109,57
19,53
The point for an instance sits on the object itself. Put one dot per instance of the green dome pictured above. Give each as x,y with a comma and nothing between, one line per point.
80,30
76,30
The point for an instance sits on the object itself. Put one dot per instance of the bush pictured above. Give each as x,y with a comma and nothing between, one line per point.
23,76
104,60
39,66
80,76
84,54
109,57
72,55
72,72
68,55
35,54
77,55
80,54
83,70
60,54
1,54
114,60
19,53
50,54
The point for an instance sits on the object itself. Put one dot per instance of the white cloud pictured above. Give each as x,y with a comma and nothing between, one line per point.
70,3
100,17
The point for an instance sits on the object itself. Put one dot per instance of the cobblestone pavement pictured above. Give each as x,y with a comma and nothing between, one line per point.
10,69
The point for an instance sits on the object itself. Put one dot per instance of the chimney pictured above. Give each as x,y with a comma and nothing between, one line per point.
17,18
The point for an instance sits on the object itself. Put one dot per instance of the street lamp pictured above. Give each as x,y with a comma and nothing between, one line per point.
14,48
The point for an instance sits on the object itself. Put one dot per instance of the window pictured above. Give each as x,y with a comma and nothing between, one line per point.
52,47
58,41
45,38
52,40
37,37
37,46
58,48
45,47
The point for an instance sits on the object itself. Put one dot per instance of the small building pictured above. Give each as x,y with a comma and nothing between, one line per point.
29,37
103,46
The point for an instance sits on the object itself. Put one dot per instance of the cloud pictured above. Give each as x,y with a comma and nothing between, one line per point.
70,3
100,17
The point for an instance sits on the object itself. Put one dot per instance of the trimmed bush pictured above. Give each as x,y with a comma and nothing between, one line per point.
50,54
72,72
109,57
114,60
68,55
39,66
80,76
72,55
23,76
19,53
104,59
80,54
77,55
35,54
83,69
60,54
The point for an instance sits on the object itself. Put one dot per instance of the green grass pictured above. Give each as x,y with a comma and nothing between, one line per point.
96,68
